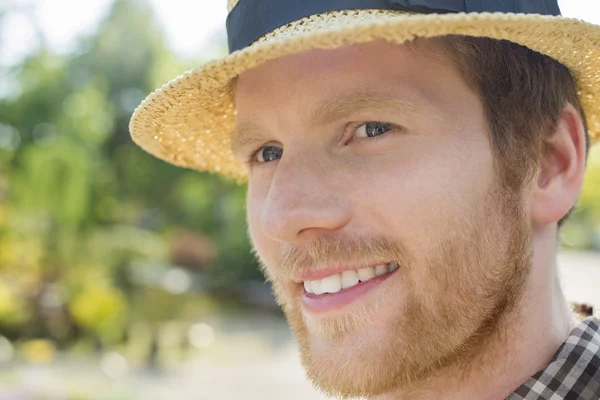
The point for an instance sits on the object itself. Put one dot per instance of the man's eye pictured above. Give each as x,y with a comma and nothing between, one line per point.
371,129
268,153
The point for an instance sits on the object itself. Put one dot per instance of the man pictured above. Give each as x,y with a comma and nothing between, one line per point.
408,168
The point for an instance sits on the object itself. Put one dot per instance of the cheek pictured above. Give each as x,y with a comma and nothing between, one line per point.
424,192
266,249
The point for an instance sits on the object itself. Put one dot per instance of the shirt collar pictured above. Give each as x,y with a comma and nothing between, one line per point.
573,373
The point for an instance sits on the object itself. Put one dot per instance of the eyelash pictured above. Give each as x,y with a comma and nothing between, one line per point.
351,127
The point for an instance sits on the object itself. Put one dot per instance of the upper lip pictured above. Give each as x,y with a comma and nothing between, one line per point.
316,274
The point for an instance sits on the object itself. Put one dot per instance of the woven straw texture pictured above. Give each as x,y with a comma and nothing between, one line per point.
231,4
189,120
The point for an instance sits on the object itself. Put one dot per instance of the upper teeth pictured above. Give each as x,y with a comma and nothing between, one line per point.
335,283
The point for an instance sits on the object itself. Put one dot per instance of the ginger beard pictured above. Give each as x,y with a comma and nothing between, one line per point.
437,310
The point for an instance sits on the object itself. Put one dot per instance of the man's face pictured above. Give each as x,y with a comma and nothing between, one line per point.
378,154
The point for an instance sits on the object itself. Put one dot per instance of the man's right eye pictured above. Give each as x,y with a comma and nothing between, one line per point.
267,154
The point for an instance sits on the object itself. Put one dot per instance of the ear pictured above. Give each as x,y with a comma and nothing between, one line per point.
562,170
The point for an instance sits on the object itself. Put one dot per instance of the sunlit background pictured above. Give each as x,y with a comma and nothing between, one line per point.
122,277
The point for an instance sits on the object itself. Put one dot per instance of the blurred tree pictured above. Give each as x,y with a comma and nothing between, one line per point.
82,206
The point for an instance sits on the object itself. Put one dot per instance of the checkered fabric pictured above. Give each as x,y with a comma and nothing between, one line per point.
573,373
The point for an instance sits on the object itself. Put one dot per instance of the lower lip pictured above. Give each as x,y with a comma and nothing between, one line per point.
320,303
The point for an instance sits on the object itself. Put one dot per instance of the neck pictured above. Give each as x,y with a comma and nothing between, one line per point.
524,344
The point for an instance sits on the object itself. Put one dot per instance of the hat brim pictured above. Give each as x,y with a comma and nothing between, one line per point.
189,120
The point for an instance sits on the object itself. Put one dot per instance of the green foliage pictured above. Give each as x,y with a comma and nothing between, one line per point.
84,210
57,180
583,228
101,309
12,310
590,196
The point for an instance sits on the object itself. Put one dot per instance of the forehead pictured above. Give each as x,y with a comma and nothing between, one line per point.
352,65
295,89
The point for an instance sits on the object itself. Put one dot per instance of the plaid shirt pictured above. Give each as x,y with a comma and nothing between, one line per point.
573,373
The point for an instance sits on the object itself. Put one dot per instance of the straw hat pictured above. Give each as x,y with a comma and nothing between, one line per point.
188,121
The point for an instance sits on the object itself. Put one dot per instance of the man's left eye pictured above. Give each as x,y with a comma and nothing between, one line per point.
371,129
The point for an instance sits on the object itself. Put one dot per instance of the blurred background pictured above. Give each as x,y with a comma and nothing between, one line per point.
123,277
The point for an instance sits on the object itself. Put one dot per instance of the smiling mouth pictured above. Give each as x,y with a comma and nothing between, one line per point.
338,282
335,291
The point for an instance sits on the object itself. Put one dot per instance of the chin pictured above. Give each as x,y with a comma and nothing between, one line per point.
359,364
358,351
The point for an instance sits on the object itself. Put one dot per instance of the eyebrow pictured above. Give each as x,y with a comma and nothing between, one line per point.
341,106
244,133
345,105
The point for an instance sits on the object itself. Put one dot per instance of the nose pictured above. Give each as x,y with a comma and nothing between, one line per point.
305,201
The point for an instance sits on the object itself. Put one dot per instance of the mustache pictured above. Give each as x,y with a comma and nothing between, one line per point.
328,251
